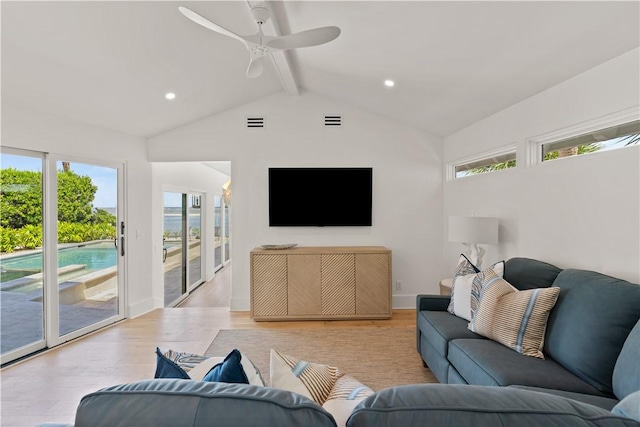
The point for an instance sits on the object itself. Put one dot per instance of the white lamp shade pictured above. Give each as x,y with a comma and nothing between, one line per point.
473,229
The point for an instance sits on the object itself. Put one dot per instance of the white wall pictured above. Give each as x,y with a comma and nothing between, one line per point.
406,163
184,177
580,212
26,129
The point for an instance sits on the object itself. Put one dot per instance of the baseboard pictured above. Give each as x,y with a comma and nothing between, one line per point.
239,304
403,301
142,307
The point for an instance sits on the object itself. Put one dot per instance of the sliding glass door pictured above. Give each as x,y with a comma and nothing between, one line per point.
182,260
194,249
227,233
217,232
22,260
90,243
60,221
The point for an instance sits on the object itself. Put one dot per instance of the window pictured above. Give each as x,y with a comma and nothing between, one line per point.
608,138
504,158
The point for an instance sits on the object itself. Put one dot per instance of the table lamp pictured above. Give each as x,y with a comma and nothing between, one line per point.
473,231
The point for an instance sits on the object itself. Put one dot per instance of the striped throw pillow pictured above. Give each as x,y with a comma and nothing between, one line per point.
516,319
336,391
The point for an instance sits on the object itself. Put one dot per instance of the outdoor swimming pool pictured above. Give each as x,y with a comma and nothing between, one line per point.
95,256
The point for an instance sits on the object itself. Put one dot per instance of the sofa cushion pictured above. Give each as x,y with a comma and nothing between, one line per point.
186,403
626,373
589,324
600,401
469,405
527,273
486,362
440,327
516,319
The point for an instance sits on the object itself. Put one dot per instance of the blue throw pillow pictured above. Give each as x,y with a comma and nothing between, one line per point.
167,368
229,371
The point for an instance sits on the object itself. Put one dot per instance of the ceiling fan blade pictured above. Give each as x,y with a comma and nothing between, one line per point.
208,24
307,38
255,67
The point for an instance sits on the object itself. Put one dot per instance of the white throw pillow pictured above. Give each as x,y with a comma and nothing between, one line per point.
465,273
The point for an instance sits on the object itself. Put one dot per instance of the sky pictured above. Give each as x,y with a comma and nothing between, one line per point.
104,178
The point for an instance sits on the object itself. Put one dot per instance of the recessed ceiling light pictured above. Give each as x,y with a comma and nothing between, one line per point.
389,83
170,95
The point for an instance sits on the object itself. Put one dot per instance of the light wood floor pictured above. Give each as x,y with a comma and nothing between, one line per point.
49,386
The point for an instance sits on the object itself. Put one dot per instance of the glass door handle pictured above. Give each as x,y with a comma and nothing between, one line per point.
164,255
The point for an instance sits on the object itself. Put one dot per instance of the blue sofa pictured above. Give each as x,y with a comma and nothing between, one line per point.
590,377
188,403
586,331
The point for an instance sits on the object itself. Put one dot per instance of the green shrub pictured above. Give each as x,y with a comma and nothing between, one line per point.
7,239
29,237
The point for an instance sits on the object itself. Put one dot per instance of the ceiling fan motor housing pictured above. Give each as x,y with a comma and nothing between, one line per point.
260,14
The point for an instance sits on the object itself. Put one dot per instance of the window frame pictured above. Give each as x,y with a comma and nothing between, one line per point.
476,158
535,145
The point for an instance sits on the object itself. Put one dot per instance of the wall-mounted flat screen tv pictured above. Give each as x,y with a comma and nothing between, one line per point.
320,197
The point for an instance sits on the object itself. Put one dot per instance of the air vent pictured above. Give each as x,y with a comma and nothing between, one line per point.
255,122
333,121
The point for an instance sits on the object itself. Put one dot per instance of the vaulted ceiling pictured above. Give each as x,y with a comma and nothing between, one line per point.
110,63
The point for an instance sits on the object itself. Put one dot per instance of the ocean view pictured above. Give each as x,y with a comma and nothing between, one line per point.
172,219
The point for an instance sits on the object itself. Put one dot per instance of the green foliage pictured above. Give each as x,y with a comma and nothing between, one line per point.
581,149
21,210
494,167
195,233
72,232
7,239
75,197
101,216
29,236
20,198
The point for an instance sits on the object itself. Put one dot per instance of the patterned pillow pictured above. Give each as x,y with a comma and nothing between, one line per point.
516,319
175,364
337,392
463,278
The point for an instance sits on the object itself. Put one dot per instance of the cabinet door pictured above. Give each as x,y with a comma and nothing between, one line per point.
373,285
305,294
269,285
338,284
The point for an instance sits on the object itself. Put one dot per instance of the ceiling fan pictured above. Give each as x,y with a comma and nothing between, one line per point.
260,45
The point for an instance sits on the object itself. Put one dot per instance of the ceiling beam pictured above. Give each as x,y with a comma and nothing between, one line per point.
274,25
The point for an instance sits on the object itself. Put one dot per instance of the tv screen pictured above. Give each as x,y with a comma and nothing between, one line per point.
320,197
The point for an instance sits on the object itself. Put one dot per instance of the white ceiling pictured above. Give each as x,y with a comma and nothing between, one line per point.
110,63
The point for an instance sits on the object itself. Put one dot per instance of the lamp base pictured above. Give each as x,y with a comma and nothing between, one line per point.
474,252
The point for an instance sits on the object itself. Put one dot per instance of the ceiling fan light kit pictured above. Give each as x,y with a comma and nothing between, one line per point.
260,45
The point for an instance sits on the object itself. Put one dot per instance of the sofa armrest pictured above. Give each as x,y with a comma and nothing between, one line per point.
432,302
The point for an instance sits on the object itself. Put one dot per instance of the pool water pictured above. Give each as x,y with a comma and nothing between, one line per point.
95,256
